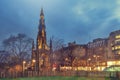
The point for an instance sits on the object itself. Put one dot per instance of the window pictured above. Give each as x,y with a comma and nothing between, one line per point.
112,48
117,36
119,52
116,47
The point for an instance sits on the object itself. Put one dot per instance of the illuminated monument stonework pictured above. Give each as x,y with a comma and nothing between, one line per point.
41,37
40,54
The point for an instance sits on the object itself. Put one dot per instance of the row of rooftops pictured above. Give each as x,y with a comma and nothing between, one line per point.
115,32
96,41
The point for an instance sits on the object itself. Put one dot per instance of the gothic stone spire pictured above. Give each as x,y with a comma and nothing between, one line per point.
41,38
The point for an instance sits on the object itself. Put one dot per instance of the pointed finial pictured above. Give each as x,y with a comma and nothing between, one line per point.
41,12
41,9
50,42
33,45
51,46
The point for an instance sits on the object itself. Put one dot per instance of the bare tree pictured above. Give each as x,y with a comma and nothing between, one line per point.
4,57
4,60
19,47
57,43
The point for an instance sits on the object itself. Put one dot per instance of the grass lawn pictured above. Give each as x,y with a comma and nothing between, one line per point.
57,78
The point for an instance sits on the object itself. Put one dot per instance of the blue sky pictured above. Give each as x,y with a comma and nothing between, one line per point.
71,20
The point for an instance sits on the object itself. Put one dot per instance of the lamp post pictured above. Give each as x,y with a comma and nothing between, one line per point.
33,63
88,64
33,66
23,65
96,58
24,62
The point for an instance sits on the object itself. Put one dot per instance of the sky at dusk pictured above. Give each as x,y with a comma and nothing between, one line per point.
71,20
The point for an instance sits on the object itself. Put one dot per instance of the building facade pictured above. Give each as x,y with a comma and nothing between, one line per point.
94,56
98,47
114,45
73,57
97,53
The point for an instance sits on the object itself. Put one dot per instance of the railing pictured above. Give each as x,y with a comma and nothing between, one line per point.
59,73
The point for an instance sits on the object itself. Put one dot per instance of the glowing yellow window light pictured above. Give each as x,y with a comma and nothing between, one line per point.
116,47
119,52
112,48
117,36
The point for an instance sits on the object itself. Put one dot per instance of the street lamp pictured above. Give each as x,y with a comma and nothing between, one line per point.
66,62
33,63
88,64
33,66
89,60
96,58
33,60
94,55
23,66
24,62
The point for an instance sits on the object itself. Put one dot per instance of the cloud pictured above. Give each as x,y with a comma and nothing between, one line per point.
117,10
111,22
68,19
98,16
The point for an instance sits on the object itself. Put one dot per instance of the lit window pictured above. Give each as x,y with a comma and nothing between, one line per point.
116,47
112,48
118,40
119,52
118,36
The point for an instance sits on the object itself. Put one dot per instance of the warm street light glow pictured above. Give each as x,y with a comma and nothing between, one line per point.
24,62
66,59
110,63
33,60
118,36
23,65
89,59
94,55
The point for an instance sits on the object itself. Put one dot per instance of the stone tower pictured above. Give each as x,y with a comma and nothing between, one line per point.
41,37
40,55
